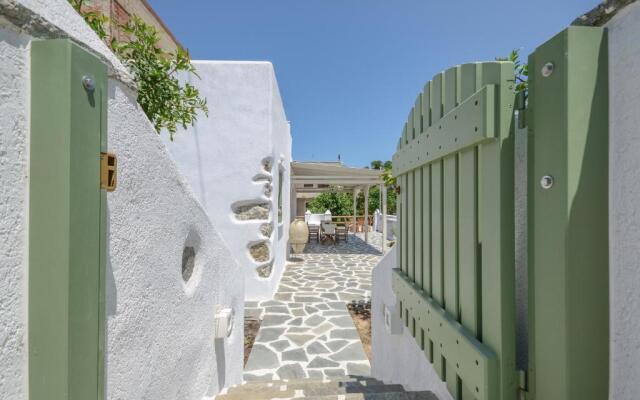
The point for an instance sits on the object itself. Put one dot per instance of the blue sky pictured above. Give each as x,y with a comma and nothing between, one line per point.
349,70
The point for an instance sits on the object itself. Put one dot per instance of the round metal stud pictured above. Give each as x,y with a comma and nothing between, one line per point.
546,182
88,83
547,69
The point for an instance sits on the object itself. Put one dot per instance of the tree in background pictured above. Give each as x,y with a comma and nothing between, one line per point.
339,203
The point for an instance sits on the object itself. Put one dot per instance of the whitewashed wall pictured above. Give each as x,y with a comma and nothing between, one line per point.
397,358
222,156
624,202
160,339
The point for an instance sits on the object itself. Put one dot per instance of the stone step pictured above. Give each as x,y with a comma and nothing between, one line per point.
349,378
378,396
306,390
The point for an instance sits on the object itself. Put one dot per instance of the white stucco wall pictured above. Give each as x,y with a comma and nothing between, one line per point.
624,203
14,156
397,358
223,153
160,338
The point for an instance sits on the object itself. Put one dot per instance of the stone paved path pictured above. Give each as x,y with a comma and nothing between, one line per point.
306,330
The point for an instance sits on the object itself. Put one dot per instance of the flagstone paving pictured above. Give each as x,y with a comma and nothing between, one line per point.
306,330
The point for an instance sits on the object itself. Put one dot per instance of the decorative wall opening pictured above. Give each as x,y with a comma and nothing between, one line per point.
259,251
188,262
245,211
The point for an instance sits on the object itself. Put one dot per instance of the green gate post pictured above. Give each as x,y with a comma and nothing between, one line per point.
568,217
67,223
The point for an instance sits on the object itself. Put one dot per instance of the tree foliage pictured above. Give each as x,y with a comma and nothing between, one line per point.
166,102
341,203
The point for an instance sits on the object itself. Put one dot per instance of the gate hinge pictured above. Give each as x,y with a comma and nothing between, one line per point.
522,385
108,171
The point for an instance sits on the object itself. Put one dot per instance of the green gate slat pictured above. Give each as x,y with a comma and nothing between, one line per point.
426,230
450,234
436,99
411,132
418,210
403,222
469,274
410,224
426,106
496,229
568,223
417,115
67,224
436,232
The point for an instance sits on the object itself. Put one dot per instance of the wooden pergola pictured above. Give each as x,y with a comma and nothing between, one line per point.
309,179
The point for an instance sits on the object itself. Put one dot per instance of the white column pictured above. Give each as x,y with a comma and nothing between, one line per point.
355,209
366,214
293,206
383,200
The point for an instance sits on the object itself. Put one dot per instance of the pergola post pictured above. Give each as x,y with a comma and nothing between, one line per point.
366,214
355,210
383,200
293,205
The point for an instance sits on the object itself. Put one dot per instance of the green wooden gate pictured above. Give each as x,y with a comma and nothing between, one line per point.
455,284
456,278
568,217
67,223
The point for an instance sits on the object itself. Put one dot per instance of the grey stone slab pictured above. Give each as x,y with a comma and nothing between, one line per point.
337,305
359,369
310,310
307,299
335,313
314,320
291,371
295,355
261,358
271,303
342,322
298,312
335,372
315,374
330,296
276,310
295,322
319,330
281,345
299,339
344,334
273,320
352,352
336,345
269,334
252,377
299,329
283,296
320,362
294,305
317,348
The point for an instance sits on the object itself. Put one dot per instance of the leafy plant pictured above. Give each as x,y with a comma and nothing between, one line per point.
166,102
93,18
521,71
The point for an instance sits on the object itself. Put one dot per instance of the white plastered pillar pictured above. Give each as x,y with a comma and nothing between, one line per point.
366,214
383,200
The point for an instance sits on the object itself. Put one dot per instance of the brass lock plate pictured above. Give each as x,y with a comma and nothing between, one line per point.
108,171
